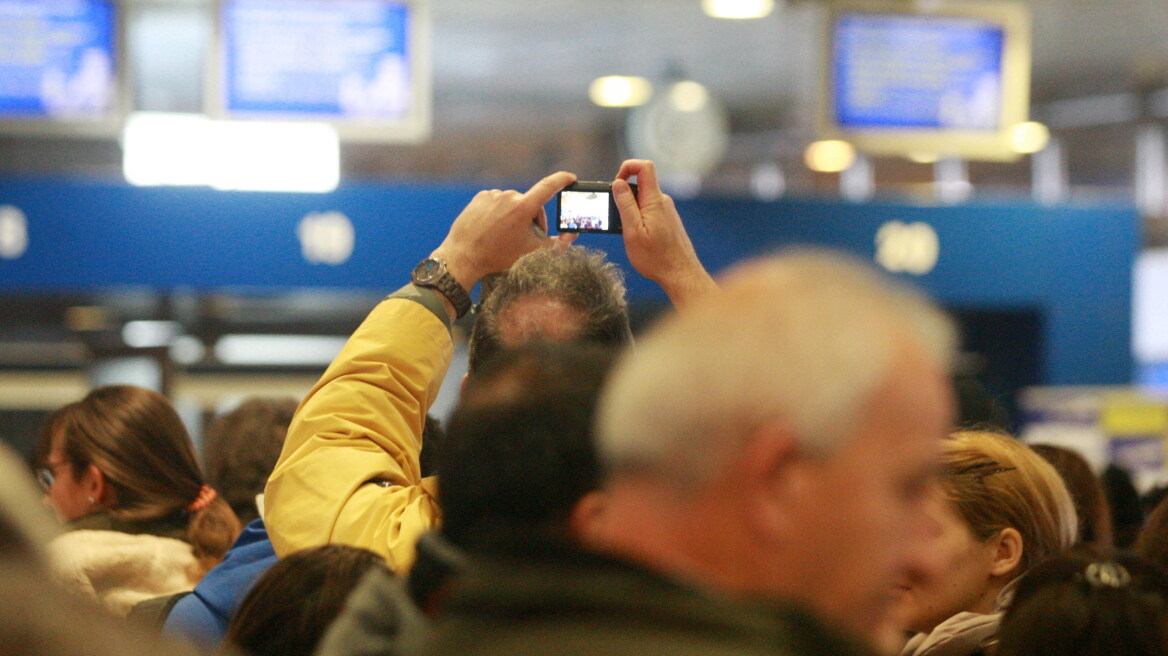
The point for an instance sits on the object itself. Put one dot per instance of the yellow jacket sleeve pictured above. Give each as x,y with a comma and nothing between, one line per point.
349,469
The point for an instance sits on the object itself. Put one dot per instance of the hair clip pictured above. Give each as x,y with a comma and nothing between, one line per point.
1107,575
983,469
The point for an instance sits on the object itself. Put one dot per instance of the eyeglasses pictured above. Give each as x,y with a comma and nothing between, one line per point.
46,476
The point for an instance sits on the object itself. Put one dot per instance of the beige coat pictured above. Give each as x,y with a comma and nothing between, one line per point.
118,569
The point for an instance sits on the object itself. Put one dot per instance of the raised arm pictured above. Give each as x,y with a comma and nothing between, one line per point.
655,239
349,470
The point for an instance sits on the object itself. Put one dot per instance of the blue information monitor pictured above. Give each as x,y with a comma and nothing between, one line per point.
318,59
904,71
947,79
57,59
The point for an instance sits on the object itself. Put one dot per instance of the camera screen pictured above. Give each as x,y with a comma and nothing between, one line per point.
584,210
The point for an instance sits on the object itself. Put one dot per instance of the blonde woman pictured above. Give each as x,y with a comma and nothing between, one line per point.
999,510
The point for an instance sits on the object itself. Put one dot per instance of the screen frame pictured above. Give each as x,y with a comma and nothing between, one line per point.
991,145
414,126
105,126
615,226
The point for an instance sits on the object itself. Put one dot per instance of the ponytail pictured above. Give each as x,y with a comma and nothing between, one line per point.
212,528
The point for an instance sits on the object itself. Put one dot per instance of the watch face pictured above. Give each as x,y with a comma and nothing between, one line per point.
428,270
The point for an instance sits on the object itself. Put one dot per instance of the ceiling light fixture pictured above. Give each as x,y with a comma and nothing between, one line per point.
150,334
830,156
620,91
738,9
1029,137
271,350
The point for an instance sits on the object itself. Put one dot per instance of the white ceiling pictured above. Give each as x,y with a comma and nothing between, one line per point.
511,76
519,51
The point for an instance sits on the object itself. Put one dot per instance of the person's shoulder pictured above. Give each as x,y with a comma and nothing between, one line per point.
190,616
587,603
379,618
154,612
91,549
121,569
252,545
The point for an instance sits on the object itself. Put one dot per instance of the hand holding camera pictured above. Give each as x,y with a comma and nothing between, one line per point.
498,227
655,239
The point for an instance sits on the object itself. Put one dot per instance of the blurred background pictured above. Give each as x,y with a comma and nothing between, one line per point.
207,197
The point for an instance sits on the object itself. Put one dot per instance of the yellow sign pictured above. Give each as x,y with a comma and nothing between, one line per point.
1130,414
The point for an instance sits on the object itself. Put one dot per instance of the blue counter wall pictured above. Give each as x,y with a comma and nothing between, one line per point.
1072,264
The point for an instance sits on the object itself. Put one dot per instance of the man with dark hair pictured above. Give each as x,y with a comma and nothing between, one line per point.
241,447
519,459
520,455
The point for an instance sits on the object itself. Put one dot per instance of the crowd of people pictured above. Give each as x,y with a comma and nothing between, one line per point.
586,223
778,466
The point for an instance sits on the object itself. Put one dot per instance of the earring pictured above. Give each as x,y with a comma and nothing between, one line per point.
91,500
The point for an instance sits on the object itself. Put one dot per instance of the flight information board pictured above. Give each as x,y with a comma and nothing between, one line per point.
339,59
904,71
58,59
947,80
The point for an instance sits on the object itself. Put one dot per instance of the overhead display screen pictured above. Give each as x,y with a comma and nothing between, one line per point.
950,78
58,59
917,72
350,62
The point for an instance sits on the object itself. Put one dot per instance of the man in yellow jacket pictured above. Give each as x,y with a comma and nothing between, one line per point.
349,470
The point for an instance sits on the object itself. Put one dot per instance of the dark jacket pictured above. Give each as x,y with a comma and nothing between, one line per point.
388,615
561,601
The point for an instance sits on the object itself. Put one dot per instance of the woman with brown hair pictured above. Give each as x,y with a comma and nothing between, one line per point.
1152,541
1089,602
1000,509
1086,491
288,610
119,469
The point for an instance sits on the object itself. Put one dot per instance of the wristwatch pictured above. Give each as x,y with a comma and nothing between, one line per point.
431,272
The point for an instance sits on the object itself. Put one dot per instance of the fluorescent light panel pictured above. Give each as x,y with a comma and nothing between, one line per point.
620,91
263,350
193,150
147,334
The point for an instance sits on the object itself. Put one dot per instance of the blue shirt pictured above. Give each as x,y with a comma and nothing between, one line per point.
202,615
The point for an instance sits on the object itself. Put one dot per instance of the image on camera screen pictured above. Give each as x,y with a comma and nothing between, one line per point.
584,210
